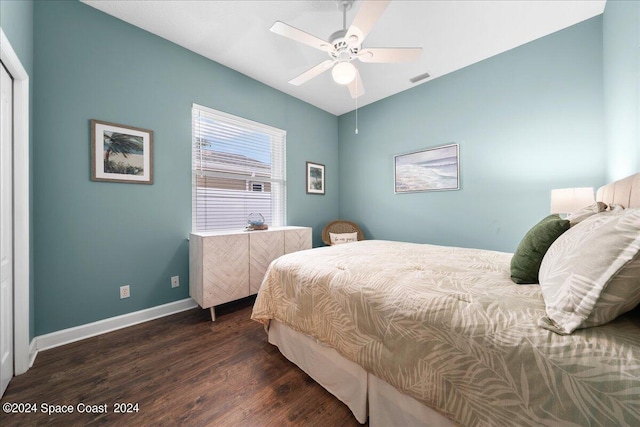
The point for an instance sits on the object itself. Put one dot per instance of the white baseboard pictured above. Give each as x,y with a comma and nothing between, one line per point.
66,336
33,351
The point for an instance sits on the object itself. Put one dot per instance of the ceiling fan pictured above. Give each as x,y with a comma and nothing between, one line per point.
345,45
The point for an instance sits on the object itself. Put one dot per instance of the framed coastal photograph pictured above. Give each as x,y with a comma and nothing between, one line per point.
315,178
433,169
121,153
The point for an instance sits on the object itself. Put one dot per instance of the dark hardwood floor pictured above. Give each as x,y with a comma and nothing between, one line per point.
180,370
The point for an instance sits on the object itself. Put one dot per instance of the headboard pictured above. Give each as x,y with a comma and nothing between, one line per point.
625,192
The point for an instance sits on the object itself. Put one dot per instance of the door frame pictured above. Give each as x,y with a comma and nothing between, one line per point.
21,248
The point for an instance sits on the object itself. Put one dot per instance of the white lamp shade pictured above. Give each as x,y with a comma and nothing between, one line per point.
343,73
567,200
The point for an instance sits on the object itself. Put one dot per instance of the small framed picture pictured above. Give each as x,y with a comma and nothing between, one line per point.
315,178
121,153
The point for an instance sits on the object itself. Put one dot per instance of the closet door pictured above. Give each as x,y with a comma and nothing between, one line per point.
6,229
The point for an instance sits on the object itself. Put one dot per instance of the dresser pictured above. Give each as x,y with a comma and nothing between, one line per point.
227,265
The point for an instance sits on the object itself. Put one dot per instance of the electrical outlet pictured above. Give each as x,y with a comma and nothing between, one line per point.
175,281
124,292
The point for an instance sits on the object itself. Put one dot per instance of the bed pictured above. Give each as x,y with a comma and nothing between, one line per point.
416,334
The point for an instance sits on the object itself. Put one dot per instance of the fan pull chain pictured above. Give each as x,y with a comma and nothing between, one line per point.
356,106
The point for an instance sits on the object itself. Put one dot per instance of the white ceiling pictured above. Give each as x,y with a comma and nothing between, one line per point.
452,33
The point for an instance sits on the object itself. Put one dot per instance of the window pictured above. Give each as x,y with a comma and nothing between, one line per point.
257,186
238,169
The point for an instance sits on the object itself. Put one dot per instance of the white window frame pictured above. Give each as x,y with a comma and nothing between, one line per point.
278,166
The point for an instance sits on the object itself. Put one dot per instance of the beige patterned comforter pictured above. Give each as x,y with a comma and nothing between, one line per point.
448,327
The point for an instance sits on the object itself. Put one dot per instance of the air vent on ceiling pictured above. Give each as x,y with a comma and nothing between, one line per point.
416,79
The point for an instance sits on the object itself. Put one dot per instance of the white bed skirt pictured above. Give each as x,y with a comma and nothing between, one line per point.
365,394
344,379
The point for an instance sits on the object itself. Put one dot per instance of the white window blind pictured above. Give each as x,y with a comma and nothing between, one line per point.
238,169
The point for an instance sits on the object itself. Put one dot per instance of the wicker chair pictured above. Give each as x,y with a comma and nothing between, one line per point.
340,226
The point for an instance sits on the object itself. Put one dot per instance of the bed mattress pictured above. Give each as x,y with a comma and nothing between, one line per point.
449,328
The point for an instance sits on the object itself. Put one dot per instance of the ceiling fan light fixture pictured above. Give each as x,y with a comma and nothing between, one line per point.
343,73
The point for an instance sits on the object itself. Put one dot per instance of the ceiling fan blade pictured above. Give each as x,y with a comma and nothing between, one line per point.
311,73
293,33
368,14
355,87
381,54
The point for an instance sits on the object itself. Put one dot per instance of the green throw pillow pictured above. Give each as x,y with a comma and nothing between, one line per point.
525,263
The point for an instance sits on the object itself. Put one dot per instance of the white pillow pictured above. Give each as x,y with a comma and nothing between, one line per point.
591,274
339,238
616,208
586,212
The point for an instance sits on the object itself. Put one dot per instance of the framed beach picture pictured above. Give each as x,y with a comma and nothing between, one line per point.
315,178
433,169
121,153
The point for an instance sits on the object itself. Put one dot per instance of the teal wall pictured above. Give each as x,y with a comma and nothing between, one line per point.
527,121
16,20
92,237
621,61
